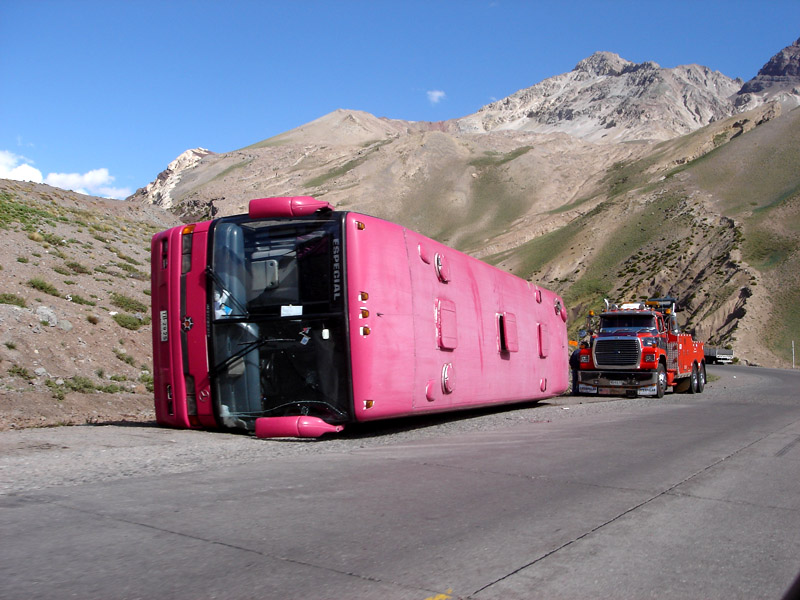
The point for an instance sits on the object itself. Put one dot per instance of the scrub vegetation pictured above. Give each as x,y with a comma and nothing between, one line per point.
650,233
54,329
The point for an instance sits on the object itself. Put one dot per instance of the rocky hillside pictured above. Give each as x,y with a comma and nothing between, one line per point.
160,190
779,80
589,182
608,99
604,99
710,218
616,180
74,306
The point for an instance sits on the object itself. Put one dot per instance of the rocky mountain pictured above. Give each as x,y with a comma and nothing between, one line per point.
160,189
608,99
778,79
616,180
593,182
604,99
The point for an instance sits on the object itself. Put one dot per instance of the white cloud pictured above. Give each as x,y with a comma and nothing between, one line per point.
13,166
113,192
97,182
436,96
92,180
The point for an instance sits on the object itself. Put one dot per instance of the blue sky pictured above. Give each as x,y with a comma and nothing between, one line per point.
100,96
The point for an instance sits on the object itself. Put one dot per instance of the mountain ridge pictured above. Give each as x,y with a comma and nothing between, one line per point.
696,96
711,217
539,181
607,98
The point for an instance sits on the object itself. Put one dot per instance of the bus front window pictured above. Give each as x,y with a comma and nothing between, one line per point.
278,334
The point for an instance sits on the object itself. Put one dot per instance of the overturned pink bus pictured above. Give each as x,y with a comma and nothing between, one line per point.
295,320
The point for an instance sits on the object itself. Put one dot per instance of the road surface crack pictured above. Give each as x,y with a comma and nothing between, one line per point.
236,547
666,492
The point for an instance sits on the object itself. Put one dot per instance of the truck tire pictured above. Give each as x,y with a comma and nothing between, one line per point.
701,379
693,385
661,381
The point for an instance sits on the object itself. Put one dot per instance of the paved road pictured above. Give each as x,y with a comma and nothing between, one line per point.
687,497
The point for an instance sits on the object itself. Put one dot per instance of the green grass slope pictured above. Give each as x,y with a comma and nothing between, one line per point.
755,179
705,218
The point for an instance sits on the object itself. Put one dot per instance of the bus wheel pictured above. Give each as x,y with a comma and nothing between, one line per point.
661,381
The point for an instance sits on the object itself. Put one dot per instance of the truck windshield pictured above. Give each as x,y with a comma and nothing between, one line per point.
278,335
627,322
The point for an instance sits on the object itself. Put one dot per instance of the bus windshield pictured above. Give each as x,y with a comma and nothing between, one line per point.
278,335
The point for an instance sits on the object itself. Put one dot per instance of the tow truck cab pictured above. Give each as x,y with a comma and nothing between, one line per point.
638,350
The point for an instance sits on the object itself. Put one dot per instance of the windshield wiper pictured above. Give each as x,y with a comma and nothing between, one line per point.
303,403
216,369
221,286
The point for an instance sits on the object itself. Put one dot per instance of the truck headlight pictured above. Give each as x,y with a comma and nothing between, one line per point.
649,342
649,358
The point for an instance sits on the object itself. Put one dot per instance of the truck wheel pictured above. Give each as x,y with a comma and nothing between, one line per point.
693,380
661,381
701,379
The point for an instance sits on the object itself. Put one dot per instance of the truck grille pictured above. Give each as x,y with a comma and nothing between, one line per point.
617,353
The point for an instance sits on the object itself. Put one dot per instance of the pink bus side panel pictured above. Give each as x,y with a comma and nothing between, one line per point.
434,340
381,322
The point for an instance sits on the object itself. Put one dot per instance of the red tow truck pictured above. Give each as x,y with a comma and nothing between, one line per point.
637,349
